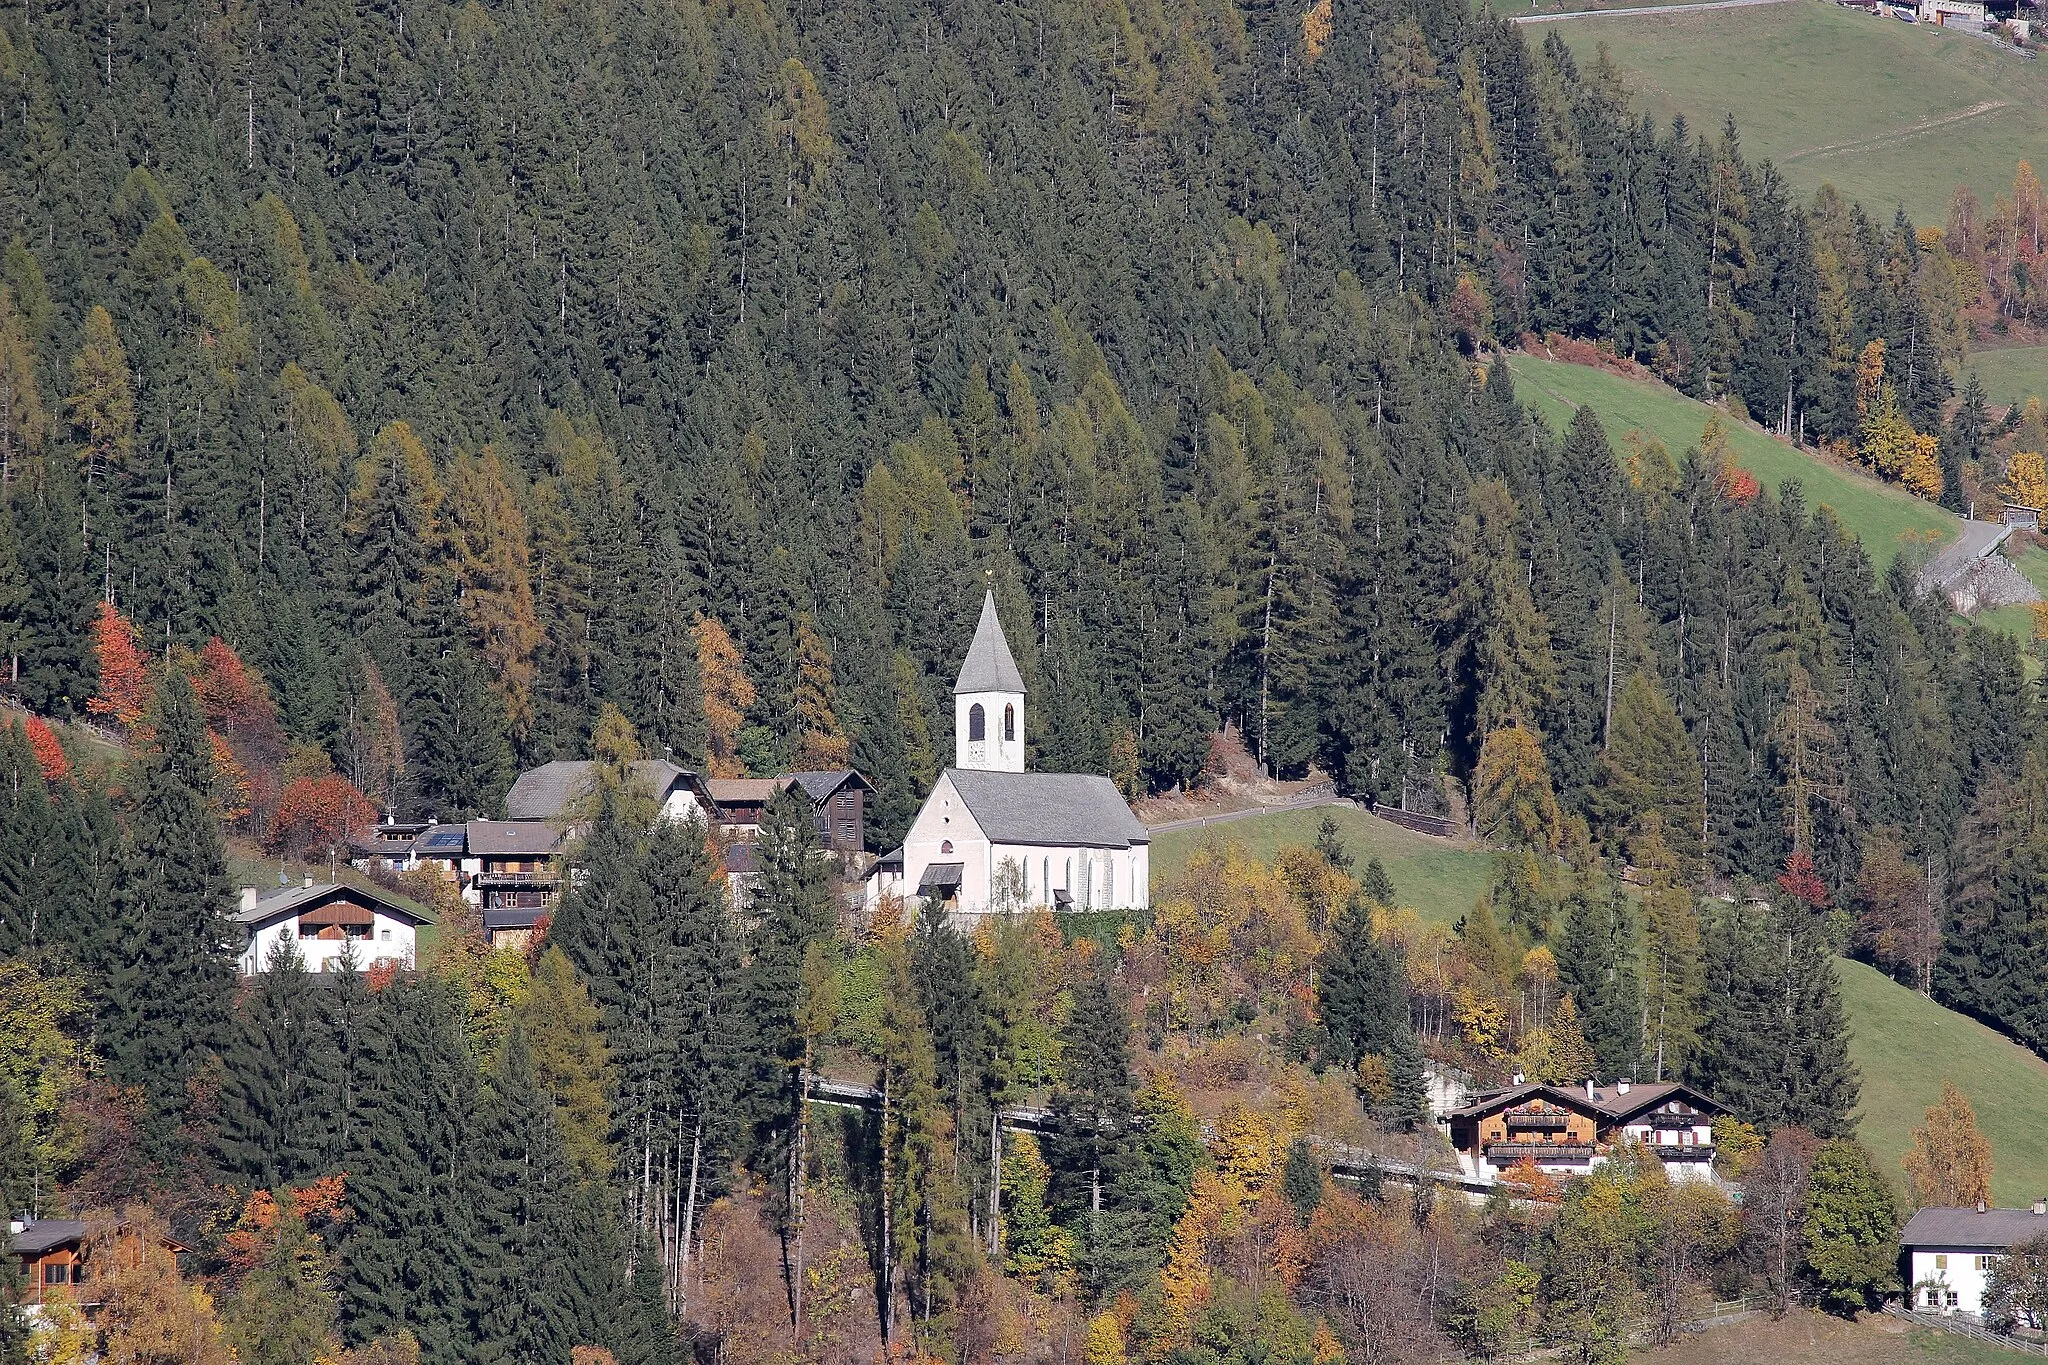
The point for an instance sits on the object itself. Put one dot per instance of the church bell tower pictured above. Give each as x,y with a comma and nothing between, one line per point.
988,701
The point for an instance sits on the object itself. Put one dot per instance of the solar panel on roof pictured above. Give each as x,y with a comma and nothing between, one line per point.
447,838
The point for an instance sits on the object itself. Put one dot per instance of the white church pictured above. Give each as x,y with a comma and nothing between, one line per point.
992,837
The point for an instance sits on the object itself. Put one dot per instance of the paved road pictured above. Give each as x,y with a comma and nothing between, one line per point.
1645,10
1977,539
1298,803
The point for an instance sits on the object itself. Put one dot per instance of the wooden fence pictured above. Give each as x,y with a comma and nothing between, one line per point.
1943,1323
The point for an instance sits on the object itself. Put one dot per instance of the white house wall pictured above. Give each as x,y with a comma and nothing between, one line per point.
1958,1271
391,940
1114,878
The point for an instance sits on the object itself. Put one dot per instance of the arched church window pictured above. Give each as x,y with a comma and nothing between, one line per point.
1009,724
977,723
945,845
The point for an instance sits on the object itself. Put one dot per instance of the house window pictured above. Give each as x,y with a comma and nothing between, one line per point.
384,934
977,724
1009,724
56,1274
846,832
1953,1298
1941,1261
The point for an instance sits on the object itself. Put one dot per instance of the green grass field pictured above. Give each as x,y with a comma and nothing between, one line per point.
1887,518
2013,375
1889,113
1905,1045
1438,878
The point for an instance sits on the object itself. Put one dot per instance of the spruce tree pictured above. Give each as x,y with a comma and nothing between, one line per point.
1966,440
465,754
1093,1107
1598,967
28,845
169,993
792,909
1362,993
544,1261
54,665
280,1092
1774,1043
413,1257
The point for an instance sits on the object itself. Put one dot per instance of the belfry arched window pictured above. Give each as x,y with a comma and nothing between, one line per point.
1009,724
977,723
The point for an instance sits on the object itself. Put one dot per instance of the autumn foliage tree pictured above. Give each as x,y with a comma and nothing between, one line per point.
50,755
1949,1163
123,668
315,814
728,693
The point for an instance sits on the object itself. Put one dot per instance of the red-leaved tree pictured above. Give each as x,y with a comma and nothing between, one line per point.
1801,882
124,671
236,700
50,756
318,813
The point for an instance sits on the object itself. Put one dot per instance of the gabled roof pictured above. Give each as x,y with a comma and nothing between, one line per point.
47,1234
544,793
1078,810
1994,1228
741,791
511,838
819,786
293,899
989,666
1605,1102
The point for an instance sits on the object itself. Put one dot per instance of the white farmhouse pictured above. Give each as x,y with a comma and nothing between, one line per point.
1949,1252
325,921
992,836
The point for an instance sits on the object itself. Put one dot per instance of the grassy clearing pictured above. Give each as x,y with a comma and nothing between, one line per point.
2012,375
1809,1338
1440,879
1905,1045
1889,113
1885,517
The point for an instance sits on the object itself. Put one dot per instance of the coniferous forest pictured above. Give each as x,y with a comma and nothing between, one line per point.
393,398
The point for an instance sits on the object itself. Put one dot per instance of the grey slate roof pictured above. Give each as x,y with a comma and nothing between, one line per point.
545,792
989,666
1996,1229
511,838
1078,810
294,898
819,785
41,1236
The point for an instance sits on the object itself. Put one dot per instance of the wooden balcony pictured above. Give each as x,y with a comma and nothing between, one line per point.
1542,1153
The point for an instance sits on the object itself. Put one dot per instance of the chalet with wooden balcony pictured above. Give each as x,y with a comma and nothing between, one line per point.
325,922
1567,1130
53,1256
506,868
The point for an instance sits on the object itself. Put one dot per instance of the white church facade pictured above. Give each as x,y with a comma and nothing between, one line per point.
993,837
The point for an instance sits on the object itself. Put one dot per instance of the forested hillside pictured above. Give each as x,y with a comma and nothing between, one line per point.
394,397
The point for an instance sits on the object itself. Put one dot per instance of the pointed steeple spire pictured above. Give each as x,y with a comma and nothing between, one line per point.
989,666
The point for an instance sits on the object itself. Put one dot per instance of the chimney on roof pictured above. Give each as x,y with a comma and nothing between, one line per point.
1621,1086
308,883
1591,1092
2040,1207
248,898
1983,1207
1518,1078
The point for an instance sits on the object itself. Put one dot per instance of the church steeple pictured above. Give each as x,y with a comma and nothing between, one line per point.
988,701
